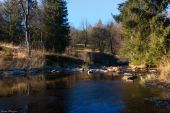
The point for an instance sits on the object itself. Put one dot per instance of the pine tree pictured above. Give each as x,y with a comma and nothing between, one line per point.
56,25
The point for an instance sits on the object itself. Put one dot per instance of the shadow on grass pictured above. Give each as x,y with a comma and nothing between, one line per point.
63,61
95,58
104,59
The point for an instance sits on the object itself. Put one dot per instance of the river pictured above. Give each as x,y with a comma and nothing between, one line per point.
80,93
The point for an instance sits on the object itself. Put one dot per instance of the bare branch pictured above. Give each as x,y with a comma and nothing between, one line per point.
21,2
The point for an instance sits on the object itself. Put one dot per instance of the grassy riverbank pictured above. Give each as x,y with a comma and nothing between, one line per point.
165,70
12,56
81,58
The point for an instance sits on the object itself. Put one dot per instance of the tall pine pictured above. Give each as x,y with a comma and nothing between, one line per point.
56,25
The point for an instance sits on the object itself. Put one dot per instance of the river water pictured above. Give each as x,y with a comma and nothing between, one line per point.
80,93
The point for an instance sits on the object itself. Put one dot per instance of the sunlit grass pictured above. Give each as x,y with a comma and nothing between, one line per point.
165,70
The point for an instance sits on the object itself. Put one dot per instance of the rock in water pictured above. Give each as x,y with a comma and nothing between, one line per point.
129,78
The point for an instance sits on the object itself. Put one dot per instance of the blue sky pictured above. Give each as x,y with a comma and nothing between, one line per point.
92,10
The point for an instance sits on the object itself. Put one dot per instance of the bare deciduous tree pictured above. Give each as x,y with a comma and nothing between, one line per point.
85,32
27,5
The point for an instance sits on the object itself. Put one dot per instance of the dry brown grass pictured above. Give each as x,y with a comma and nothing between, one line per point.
9,45
165,70
10,62
16,57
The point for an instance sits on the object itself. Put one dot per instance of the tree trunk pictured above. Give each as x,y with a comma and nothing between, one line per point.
111,46
85,34
27,38
86,40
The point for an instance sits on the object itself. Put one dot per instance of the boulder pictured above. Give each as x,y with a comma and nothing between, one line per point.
129,78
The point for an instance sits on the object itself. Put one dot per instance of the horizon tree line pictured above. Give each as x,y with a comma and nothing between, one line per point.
100,37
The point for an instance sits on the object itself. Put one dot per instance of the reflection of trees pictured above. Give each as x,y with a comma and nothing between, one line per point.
68,81
134,96
54,99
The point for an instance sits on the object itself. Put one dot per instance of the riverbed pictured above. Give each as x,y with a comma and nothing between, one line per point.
82,93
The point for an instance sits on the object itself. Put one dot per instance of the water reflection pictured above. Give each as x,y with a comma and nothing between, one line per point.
81,93
134,99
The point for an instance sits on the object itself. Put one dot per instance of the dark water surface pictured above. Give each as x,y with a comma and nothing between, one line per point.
73,94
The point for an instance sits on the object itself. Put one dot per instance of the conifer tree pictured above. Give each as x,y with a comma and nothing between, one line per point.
146,30
56,25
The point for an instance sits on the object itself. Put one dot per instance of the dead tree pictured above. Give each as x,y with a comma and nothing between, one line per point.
26,11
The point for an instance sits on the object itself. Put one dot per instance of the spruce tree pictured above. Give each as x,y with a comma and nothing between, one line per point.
146,30
56,25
